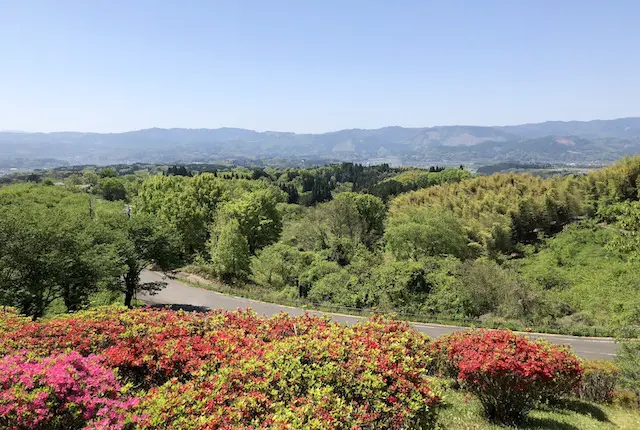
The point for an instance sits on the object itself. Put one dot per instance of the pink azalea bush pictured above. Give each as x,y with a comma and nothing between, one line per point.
63,391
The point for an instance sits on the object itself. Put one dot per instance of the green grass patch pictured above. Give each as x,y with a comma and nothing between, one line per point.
463,412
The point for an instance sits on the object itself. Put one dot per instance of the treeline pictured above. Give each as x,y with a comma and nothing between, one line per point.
560,253
501,167
472,249
199,208
106,225
506,249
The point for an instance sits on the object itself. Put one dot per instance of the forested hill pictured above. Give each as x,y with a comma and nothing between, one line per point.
592,142
557,254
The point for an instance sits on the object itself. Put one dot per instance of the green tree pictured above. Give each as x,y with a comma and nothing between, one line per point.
230,254
279,265
335,288
400,284
108,173
422,232
358,217
47,250
111,189
317,270
257,215
137,243
627,223
489,288
91,178
74,180
187,205
340,225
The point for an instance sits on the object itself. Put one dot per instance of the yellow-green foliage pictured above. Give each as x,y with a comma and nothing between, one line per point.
421,178
500,210
616,183
585,282
190,204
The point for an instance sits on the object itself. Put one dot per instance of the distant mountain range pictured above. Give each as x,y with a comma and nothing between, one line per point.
581,142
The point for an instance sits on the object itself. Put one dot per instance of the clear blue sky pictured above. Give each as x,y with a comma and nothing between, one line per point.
313,66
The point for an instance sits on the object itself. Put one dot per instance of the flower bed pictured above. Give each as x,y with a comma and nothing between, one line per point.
213,370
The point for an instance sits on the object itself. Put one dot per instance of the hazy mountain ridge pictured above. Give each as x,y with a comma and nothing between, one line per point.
599,141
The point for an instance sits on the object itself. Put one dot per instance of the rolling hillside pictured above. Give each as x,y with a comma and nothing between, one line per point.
592,142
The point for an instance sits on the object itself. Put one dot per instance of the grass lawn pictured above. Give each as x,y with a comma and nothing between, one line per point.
463,412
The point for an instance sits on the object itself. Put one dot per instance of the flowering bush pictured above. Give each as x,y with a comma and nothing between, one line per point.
598,382
326,377
60,392
86,332
213,370
509,373
148,346
10,321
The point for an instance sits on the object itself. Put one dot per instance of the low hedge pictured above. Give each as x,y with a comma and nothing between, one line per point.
598,382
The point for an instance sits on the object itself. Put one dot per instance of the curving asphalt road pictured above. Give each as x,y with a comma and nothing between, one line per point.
184,296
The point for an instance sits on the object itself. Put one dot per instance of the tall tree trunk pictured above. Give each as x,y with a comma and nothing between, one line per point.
71,303
128,297
131,280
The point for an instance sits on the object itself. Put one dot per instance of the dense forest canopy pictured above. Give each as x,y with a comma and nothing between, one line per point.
511,249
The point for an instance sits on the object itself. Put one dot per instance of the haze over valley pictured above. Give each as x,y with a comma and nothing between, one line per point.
574,142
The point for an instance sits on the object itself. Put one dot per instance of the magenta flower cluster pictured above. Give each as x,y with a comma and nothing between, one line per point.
60,391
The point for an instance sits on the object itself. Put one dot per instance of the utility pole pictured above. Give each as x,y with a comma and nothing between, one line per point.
90,207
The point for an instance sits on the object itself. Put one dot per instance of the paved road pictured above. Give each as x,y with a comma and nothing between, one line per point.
178,294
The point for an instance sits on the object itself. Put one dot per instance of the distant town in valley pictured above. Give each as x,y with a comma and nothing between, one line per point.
571,143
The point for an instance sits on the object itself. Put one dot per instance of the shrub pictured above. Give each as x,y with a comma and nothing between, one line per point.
325,377
213,370
152,352
628,360
598,381
148,346
422,232
64,391
230,253
626,398
509,373
85,332
11,321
